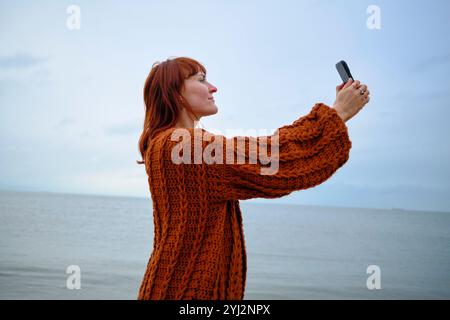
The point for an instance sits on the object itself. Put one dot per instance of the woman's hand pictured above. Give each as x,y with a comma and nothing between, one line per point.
351,97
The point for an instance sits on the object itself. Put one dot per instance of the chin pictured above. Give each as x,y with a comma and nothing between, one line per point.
208,111
212,111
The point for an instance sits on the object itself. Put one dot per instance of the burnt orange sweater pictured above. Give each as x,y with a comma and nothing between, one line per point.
198,247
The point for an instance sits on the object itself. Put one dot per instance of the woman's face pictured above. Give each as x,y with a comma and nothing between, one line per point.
198,93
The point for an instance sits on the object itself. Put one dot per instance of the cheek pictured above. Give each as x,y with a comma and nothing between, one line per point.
202,90
199,93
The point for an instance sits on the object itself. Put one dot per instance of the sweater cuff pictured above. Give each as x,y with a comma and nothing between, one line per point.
323,109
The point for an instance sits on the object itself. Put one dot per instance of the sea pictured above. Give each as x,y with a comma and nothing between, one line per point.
68,246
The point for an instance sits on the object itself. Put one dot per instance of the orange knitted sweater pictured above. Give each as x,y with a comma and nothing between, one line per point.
198,248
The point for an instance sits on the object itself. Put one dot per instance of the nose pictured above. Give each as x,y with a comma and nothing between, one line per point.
212,89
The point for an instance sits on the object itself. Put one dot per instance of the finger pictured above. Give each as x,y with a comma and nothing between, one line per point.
339,88
348,83
356,84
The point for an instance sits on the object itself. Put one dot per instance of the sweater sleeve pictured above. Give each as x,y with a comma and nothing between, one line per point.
297,156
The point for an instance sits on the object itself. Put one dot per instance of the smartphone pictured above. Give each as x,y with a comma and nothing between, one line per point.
344,71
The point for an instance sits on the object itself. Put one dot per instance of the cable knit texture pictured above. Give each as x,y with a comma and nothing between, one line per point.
198,247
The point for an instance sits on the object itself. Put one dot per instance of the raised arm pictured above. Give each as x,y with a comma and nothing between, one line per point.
297,156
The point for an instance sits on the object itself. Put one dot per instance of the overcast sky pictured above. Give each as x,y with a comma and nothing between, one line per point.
71,108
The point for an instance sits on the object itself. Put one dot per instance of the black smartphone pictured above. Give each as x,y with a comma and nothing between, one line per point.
344,71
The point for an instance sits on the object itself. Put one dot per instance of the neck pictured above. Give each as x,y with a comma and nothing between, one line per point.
185,121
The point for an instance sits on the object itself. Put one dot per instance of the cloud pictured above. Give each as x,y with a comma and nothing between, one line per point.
86,135
123,129
64,123
21,61
435,61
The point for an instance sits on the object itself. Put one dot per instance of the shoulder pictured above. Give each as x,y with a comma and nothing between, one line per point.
177,136
168,140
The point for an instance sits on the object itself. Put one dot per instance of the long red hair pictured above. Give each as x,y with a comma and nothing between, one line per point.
162,97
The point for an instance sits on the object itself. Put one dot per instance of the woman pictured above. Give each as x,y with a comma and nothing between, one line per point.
198,247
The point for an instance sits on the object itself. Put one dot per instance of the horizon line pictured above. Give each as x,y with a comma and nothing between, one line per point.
253,201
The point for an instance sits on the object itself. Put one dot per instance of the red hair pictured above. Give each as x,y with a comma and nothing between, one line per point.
162,97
